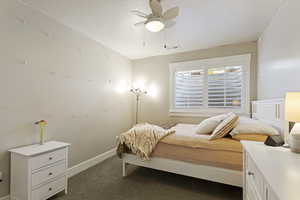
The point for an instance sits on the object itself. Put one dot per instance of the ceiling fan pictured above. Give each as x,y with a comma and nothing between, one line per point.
157,20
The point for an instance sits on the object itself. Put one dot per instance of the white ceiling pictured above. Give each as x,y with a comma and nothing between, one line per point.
201,24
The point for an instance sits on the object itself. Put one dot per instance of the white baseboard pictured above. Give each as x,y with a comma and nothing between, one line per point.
84,165
5,198
90,163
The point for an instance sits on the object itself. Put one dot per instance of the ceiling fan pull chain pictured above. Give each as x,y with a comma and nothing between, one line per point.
165,38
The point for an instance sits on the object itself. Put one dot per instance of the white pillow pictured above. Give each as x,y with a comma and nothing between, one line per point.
207,126
251,126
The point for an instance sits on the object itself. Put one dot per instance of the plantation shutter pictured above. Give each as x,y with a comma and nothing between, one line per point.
224,85
189,89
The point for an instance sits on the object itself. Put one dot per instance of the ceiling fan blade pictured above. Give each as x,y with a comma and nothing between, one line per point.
139,13
170,24
140,23
156,8
171,13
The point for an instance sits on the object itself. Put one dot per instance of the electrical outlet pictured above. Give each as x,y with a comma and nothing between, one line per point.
1,177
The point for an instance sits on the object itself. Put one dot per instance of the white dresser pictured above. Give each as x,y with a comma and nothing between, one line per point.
39,171
270,173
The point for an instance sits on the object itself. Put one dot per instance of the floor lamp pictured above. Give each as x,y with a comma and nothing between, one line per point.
138,92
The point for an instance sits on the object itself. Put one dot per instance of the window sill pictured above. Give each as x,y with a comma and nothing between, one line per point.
205,114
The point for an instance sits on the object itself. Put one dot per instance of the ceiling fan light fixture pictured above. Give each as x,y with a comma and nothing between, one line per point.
155,25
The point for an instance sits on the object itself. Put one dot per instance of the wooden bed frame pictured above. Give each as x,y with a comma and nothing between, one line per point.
269,111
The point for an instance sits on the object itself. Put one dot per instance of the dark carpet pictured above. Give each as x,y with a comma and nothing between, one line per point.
105,181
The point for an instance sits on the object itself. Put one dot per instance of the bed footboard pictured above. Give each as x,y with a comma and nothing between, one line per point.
215,174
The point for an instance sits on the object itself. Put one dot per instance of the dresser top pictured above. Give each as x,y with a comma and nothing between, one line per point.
279,166
35,149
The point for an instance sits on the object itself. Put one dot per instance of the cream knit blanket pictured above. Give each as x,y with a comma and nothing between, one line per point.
141,140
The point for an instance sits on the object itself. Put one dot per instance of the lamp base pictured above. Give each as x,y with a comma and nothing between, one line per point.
294,138
296,130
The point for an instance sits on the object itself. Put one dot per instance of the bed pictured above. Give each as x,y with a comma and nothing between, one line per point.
220,160
185,145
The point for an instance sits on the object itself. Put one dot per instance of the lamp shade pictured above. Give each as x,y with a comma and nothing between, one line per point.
292,107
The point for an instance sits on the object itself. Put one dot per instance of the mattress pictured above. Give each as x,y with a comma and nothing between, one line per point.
186,145
216,158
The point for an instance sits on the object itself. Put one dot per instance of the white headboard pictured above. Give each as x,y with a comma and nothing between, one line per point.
271,112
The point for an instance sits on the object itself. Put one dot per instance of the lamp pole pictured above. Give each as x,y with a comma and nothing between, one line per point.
137,92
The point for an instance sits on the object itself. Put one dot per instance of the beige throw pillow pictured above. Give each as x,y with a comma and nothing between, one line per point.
225,126
251,126
207,126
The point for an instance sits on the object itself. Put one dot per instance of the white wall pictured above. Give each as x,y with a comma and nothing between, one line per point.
279,53
155,71
48,71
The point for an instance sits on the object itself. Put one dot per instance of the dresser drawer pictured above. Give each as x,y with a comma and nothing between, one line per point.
48,158
48,173
254,177
49,189
269,194
251,192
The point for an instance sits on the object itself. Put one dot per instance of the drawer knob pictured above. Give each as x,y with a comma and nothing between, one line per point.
50,158
250,174
50,174
50,189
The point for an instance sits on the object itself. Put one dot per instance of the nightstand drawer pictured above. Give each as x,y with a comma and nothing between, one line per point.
251,192
48,173
48,158
269,194
254,177
49,189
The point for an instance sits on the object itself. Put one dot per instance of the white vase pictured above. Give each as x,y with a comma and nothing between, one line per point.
40,139
294,143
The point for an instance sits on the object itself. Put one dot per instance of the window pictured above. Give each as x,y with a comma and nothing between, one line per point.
210,86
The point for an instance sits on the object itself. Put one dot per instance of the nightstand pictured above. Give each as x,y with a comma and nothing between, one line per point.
270,173
39,171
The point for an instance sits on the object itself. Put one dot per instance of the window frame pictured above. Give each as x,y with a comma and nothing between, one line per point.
239,60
